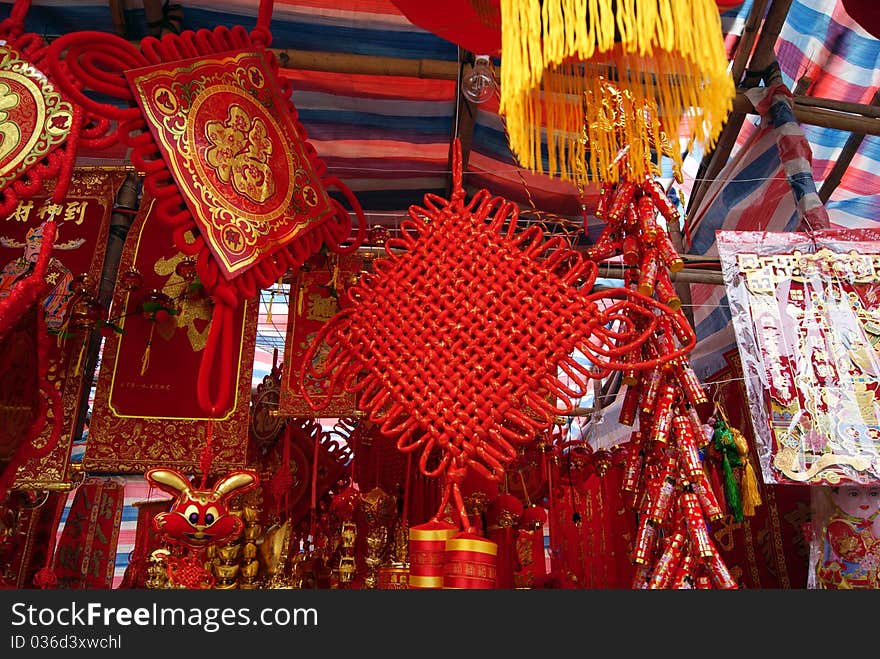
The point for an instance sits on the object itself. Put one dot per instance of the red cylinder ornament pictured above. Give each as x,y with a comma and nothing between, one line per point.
633,468
629,406
622,197
648,269
708,500
651,390
698,534
470,562
683,579
645,540
427,547
665,291
647,223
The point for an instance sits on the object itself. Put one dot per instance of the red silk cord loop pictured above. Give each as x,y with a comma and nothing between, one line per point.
219,352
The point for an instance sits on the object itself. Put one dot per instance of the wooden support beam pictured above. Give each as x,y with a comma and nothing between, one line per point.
820,116
847,153
764,55
747,40
689,275
313,60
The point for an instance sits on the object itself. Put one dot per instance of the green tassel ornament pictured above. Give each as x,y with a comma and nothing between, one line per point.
725,444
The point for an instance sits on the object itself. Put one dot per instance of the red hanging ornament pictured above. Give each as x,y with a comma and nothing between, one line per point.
456,341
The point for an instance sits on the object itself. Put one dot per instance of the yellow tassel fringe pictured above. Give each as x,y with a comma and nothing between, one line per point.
566,80
751,496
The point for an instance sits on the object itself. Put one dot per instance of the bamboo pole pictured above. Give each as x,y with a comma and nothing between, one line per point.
763,56
847,153
689,275
120,222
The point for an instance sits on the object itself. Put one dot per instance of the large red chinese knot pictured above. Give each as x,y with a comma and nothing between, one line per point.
457,342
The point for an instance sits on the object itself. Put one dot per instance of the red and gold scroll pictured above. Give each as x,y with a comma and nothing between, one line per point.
806,312
19,386
34,118
314,295
28,523
86,554
146,410
83,220
221,126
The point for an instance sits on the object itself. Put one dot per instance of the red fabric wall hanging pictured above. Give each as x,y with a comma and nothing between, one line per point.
314,293
20,397
592,530
146,410
226,160
86,554
73,279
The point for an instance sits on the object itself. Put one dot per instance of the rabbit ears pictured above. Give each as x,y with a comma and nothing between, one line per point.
175,483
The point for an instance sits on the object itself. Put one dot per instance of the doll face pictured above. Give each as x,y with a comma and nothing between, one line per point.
856,501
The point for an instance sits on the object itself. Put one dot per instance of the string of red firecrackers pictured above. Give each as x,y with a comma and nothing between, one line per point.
664,474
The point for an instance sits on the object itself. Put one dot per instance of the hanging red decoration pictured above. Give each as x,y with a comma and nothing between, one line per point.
462,332
211,123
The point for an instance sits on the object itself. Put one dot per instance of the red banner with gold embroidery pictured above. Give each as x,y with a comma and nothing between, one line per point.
314,295
146,411
83,221
221,126
31,522
86,553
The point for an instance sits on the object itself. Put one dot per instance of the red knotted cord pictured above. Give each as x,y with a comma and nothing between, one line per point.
455,342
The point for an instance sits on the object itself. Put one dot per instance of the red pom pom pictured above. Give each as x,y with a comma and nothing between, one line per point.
46,578
161,316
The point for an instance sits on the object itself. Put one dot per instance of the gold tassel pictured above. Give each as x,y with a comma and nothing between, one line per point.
145,361
269,308
751,496
79,359
670,55
300,298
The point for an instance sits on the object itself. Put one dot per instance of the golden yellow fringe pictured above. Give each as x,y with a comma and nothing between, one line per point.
300,298
751,496
561,72
145,360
